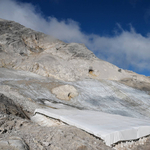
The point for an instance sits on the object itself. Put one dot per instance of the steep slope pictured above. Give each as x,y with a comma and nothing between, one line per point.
24,49
38,71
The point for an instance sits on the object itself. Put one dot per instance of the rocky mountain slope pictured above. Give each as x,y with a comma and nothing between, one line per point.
39,71
24,49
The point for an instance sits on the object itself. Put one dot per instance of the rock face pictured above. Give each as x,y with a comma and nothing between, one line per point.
39,71
24,49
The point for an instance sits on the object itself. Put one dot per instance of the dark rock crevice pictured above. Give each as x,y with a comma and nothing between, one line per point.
7,106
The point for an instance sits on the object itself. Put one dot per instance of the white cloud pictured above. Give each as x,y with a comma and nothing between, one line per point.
125,49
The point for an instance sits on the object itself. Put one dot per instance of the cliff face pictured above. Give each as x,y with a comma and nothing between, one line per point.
39,71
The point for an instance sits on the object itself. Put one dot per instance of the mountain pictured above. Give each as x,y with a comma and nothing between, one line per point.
24,49
39,72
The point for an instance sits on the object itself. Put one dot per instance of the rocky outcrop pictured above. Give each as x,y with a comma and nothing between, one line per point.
7,106
65,92
135,83
13,143
24,49
74,79
21,134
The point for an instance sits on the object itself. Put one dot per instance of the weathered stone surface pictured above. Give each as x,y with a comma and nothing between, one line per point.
23,133
7,106
144,86
24,49
65,92
54,137
13,143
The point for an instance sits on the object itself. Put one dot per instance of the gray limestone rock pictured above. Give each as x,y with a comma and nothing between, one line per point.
7,106
24,135
89,86
24,49
13,143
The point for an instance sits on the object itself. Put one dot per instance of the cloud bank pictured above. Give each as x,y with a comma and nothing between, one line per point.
127,49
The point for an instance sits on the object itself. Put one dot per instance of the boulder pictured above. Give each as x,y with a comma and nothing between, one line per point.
65,92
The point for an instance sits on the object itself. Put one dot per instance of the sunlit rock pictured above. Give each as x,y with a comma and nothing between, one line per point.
65,92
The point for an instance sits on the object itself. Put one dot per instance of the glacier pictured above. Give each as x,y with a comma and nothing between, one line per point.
110,128
105,108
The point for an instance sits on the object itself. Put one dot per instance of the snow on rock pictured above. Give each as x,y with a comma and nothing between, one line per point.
110,128
100,95
24,49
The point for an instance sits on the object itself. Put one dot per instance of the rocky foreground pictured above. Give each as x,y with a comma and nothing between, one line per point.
17,132
39,71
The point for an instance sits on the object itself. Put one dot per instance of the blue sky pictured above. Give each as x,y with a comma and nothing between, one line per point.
115,30
99,16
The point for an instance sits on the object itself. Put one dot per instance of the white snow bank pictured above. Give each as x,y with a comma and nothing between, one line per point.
110,128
